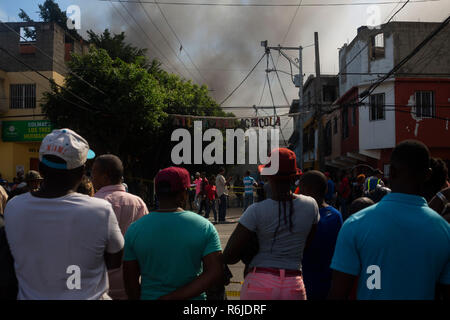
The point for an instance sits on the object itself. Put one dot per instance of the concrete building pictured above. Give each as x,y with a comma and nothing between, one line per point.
23,124
328,93
411,104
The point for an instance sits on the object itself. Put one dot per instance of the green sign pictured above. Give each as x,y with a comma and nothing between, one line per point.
34,130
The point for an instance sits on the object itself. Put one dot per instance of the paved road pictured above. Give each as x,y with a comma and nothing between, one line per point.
225,230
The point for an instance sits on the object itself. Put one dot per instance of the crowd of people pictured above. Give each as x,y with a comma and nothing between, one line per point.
69,236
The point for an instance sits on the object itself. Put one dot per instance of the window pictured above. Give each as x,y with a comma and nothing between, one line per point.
307,100
377,107
377,46
329,93
345,122
335,126
311,139
386,170
27,34
22,96
27,38
354,116
425,107
328,147
305,140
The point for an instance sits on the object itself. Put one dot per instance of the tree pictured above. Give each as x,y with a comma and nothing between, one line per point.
131,118
29,33
116,47
114,122
50,11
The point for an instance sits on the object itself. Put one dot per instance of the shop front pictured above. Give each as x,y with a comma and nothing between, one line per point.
19,146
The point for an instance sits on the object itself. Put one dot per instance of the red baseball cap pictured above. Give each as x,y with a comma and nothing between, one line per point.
287,163
178,179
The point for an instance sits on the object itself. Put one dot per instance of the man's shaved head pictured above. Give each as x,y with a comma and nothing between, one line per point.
359,204
111,166
410,167
314,183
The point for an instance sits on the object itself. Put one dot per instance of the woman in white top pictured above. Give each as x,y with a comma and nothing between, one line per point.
284,225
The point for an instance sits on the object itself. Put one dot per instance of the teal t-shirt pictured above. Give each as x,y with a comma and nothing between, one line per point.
169,247
399,248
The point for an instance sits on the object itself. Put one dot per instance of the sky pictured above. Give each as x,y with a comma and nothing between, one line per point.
222,44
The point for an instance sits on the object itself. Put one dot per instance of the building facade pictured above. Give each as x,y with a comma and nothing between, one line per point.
414,103
315,94
44,49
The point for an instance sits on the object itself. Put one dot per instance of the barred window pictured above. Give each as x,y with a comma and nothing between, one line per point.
377,107
425,107
22,96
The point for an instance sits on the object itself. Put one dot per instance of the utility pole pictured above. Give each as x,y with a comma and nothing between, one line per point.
318,100
298,81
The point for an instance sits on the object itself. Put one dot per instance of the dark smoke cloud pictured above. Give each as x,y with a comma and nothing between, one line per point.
224,42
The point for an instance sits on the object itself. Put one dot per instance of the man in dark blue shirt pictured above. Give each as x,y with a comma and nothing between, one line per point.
317,257
330,189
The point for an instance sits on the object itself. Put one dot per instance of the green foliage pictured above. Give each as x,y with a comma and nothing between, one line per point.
131,106
131,118
29,33
116,47
50,11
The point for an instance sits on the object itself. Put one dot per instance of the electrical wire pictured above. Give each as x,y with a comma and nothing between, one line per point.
165,40
217,4
170,65
181,44
239,85
273,101
50,80
373,86
279,81
53,60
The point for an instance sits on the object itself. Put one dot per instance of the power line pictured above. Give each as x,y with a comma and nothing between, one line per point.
37,100
250,72
165,40
367,43
285,36
146,35
259,107
179,41
51,81
359,52
273,101
55,61
126,22
373,86
218,4
397,11
279,80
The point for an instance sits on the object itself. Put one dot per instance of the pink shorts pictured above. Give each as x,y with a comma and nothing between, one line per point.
263,286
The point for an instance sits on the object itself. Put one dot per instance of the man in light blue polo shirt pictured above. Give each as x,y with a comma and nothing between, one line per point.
249,183
398,248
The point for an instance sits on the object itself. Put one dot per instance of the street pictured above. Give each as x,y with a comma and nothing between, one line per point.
225,230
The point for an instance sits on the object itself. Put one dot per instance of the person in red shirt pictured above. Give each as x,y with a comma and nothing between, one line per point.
344,192
211,195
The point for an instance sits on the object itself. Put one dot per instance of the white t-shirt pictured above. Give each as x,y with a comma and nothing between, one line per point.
287,251
221,185
46,236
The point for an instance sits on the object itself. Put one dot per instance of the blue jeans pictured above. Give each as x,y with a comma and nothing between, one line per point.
248,200
222,207
211,204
